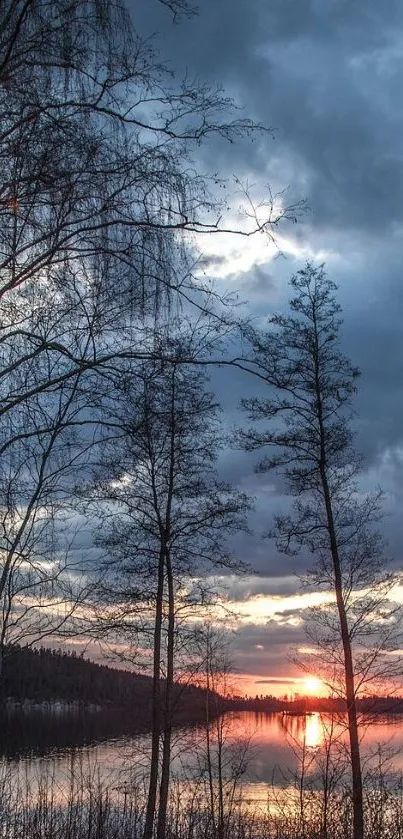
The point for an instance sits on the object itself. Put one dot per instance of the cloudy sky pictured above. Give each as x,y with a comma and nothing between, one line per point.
327,76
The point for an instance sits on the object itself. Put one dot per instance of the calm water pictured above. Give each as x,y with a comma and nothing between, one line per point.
267,750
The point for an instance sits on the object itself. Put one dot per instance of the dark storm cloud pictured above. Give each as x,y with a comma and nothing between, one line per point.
209,262
268,636
327,76
259,284
218,45
244,588
264,650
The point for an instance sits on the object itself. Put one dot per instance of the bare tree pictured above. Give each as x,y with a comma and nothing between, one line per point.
95,148
223,756
310,440
97,187
164,519
39,579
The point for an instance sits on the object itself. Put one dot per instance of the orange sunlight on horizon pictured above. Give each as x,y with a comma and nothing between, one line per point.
245,684
313,686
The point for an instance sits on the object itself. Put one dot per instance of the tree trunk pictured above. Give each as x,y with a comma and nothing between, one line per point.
220,779
166,754
358,809
156,706
356,772
208,739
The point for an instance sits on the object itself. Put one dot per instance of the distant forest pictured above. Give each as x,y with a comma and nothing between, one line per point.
45,675
309,704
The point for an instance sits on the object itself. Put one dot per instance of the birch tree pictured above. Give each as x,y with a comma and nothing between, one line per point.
305,426
98,185
164,522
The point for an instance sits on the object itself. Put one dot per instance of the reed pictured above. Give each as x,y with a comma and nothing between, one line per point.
77,805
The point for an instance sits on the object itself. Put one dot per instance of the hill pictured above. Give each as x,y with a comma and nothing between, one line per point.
49,676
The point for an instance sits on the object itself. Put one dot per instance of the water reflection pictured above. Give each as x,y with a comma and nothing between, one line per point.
271,747
313,732
308,730
39,730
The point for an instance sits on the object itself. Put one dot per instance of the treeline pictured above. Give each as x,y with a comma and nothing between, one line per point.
259,704
46,675
326,705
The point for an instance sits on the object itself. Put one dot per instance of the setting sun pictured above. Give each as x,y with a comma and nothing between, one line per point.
312,685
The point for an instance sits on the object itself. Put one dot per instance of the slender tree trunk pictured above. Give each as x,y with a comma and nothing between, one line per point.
166,754
221,809
326,783
302,786
156,706
355,758
356,772
208,739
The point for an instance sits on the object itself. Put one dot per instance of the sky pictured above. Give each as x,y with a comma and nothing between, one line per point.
327,77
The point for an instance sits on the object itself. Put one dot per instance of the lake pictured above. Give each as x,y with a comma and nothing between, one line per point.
266,753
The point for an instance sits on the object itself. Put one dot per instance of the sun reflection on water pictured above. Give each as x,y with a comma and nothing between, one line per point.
271,747
305,729
313,731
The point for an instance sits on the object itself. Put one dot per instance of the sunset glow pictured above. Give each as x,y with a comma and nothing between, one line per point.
312,685
279,685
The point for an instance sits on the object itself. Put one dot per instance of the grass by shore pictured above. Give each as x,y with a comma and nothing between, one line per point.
79,806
